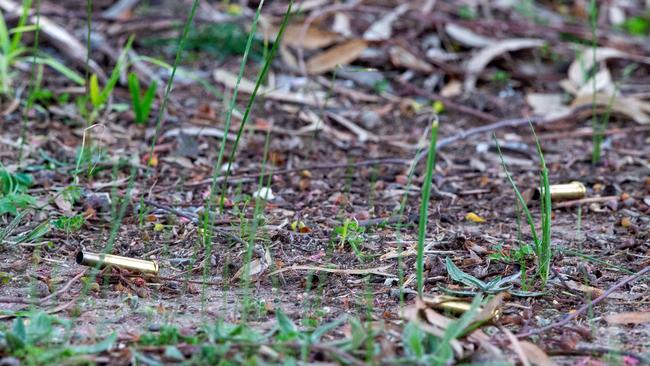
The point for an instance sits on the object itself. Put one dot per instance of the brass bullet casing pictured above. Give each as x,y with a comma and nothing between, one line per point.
564,192
456,305
131,264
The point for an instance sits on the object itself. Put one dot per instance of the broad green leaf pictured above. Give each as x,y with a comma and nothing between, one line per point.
95,96
320,331
115,75
459,276
64,70
102,346
147,101
288,329
134,88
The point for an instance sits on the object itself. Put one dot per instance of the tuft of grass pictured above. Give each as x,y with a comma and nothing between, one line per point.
541,243
424,205
141,104
12,51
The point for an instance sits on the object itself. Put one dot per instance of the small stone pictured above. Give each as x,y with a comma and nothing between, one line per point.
370,119
9,361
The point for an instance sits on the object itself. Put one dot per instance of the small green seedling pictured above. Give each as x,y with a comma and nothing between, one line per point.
541,243
353,234
12,51
496,285
98,96
69,224
13,194
141,104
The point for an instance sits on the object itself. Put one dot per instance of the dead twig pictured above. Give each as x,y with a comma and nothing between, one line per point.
376,271
586,306
585,200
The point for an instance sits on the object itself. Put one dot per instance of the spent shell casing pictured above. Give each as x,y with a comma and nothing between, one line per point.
103,260
564,192
456,305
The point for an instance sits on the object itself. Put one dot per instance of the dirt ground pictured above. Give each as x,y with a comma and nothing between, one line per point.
596,243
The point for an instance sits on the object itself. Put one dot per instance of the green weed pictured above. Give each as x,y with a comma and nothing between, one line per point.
13,51
541,243
141,104
39,341
351,233
424,205
98,96
13,192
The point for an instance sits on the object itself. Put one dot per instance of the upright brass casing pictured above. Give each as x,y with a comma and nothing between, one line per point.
103,260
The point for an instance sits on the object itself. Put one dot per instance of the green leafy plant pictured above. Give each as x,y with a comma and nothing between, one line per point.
13,51
637,25
68,224
424,205
353,234
141,104
541,243
494,286
517,255
423,348
97,95
39,341
13,194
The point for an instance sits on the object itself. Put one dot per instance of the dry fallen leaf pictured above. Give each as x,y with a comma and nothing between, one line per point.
246,86
634,108
633,317
474,217
585,61
467,37
382,29
482,58
453,88
548,105
535,354
403,58
600,82
314,38
342,54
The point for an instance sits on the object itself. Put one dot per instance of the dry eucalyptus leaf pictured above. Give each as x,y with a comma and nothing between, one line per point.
585,61
634,108
341,24
482,58
453,88
382,29
246,86
342,54
403,58
634,317
535,354
601,81
314,38
467,37
548,105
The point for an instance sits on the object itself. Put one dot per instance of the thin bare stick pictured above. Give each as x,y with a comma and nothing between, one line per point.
581,201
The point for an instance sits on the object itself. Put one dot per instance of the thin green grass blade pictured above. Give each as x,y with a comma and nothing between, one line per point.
424,205
170,82
134,89
147,100
15,41
520,198
251,100
61,68
546,208
115,74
